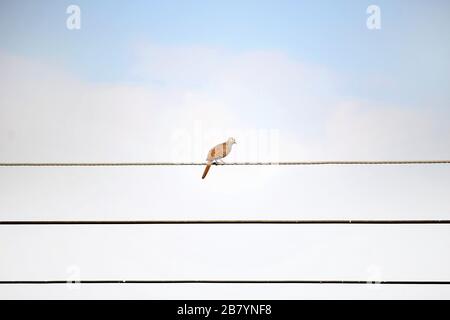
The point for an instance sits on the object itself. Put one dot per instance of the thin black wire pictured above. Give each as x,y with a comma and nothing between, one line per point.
341,282
330,282
165,222
282,163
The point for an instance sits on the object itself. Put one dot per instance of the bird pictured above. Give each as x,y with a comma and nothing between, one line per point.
217,154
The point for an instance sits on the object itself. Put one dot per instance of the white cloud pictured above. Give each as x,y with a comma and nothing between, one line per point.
205,94
49,115
270,90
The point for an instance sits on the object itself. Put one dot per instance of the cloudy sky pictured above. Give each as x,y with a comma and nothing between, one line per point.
165,81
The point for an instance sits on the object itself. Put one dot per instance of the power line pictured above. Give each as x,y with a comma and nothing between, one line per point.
341,282
190,281
166,222
282,163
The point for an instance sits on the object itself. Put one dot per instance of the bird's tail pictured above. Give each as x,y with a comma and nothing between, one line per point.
208,165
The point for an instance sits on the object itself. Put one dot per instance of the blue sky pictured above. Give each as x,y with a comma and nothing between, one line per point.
411,49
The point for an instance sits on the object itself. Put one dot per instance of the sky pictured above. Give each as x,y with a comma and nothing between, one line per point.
167,80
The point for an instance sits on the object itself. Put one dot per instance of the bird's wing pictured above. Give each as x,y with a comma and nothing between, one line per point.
218,152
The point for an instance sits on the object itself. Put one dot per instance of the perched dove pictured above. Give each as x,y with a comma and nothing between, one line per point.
217,153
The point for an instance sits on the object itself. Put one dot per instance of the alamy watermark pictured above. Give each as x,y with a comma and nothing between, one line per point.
73,21
374,19
73,277
257,145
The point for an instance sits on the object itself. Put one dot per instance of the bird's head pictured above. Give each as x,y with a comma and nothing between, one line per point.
231,141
